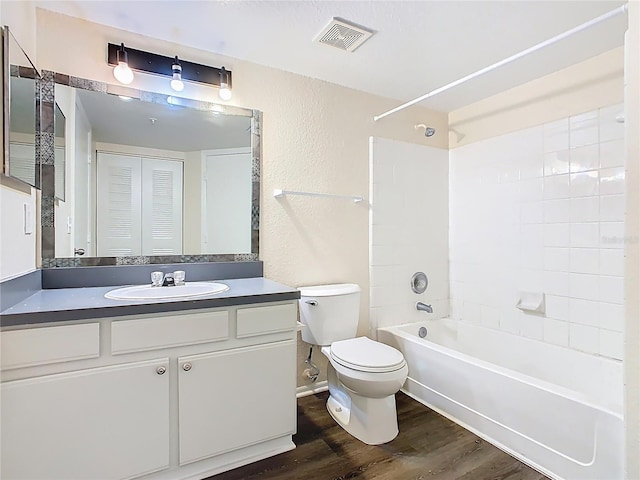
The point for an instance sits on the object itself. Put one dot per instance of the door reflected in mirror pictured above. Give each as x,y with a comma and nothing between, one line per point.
148,178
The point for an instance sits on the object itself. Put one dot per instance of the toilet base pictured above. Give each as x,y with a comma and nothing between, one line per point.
371,420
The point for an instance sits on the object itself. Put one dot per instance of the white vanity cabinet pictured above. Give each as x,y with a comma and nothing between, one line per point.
232,411
161,396
106,422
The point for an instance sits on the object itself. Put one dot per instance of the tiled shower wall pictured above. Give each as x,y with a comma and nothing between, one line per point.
542,210
408,231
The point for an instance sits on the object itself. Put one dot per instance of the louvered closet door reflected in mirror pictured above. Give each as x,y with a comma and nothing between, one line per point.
139,205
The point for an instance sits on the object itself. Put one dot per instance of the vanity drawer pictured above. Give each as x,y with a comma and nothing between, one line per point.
43,345
170,331
264,320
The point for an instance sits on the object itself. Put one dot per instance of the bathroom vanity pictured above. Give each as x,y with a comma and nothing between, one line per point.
99,388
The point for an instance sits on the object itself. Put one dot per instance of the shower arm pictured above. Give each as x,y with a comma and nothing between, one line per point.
595,21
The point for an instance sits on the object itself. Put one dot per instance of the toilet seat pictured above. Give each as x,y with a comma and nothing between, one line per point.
365,355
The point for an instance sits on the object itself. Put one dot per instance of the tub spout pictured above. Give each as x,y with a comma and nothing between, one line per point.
424,308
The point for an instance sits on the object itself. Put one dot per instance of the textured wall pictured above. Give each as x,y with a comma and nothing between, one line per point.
20,16
18,251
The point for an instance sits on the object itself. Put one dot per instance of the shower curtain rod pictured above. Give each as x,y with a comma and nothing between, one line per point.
606,16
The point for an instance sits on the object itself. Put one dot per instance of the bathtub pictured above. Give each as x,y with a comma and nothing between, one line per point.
555,409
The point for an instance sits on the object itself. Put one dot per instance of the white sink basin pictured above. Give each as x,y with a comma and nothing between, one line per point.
147,292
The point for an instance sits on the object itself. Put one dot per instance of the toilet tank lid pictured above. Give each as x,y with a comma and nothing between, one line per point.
329,290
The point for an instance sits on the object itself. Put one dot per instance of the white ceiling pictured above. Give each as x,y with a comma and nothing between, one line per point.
418,45
174,128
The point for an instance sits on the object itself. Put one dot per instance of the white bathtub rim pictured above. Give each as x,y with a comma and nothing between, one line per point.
547,386
485,437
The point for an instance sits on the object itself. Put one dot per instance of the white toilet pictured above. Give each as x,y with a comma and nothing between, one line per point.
363,375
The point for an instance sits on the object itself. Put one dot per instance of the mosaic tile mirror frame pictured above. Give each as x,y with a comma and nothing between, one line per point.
46,159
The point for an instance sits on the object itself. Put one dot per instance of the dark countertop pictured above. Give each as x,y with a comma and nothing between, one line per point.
55,305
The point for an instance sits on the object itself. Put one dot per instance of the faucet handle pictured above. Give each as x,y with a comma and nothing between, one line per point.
156,279
179,277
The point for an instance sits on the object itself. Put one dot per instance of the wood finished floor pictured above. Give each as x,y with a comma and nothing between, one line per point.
428,447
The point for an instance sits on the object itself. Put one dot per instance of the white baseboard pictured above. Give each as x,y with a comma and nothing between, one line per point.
307,390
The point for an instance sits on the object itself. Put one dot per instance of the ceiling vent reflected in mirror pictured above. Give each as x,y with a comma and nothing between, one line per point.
343,35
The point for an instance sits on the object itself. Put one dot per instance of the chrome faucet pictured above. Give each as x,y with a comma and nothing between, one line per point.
424,307
168,280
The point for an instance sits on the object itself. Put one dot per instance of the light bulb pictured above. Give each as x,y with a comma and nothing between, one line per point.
123,73
176,71
225,92
177,84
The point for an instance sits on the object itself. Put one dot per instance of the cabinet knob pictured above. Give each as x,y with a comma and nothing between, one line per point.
186,367
161,369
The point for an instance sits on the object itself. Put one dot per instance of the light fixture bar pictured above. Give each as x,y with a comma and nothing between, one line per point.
161,65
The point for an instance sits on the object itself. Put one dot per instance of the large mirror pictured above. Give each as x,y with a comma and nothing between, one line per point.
151,178
21,83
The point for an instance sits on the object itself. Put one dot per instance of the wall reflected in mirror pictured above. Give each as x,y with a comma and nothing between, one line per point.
152,178
22,78
59,127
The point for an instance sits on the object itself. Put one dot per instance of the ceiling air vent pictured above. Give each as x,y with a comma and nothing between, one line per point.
343,35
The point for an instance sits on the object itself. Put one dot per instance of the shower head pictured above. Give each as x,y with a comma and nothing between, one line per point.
428,131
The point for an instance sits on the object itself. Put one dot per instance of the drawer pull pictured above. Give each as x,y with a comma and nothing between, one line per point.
186,367
160,370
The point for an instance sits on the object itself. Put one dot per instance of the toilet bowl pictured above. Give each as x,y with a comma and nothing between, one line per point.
362,388
363,375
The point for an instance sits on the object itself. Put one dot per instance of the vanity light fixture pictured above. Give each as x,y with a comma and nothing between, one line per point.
179,71
225,84
176,82
122,72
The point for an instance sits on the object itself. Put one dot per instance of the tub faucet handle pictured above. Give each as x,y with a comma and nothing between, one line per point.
422,307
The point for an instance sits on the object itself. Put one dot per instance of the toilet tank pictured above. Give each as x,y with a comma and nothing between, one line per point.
329,312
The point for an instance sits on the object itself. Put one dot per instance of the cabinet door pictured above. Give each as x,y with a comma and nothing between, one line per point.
108,423
235,398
